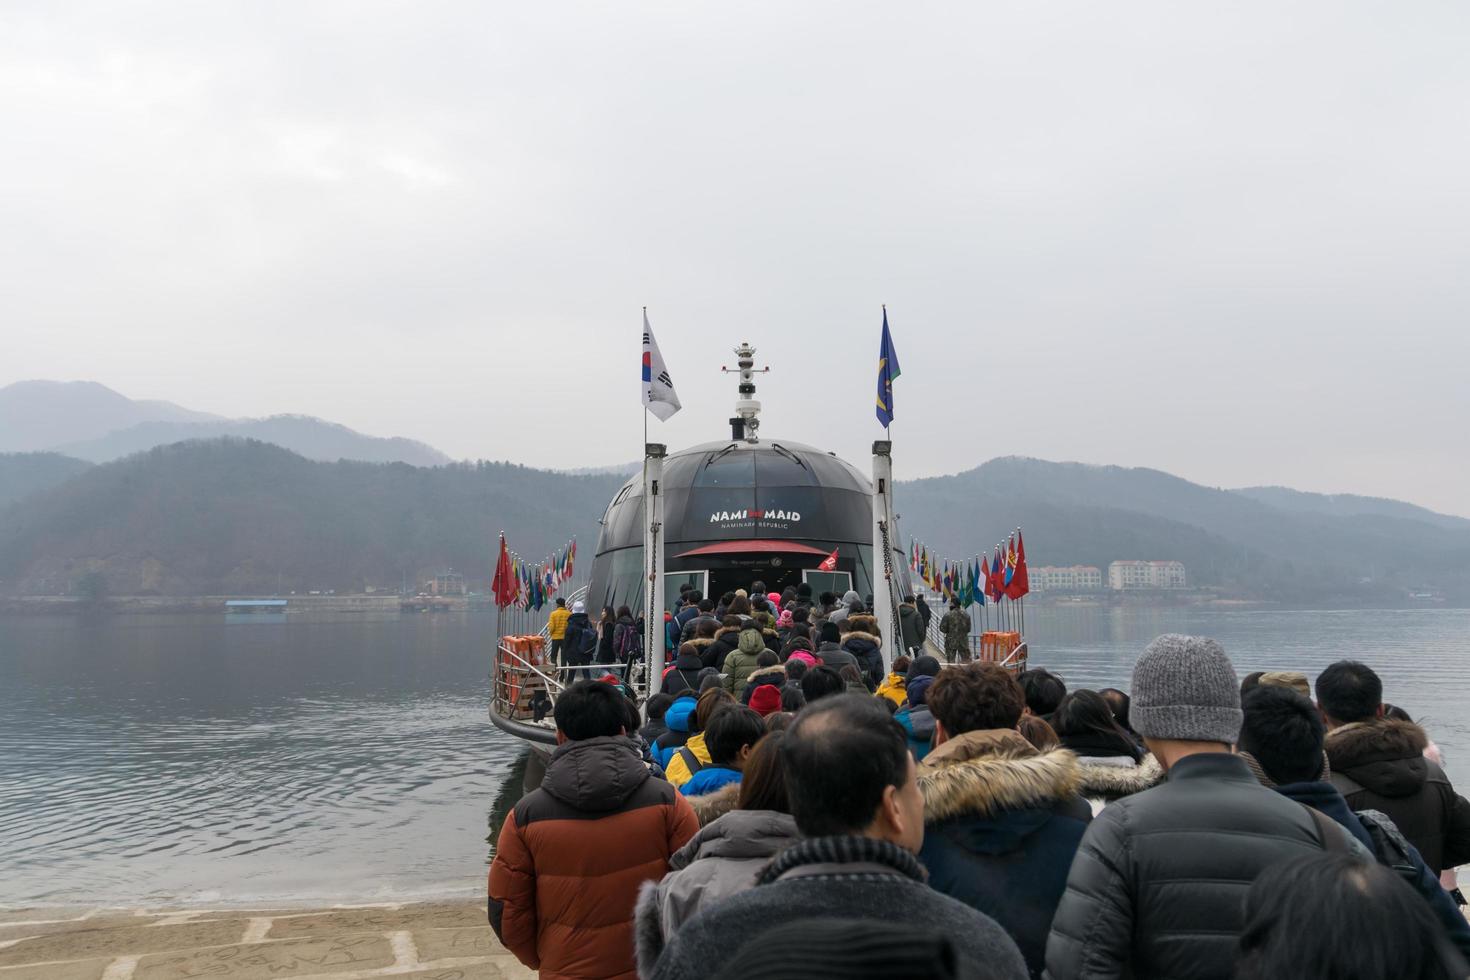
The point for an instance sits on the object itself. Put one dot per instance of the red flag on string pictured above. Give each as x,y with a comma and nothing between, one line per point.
829,564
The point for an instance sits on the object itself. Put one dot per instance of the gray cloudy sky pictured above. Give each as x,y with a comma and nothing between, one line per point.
1229,241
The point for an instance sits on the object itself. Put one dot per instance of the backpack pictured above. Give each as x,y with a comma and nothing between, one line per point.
580,641
627,642
1389,846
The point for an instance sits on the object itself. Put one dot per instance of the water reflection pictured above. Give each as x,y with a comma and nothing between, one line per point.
172,758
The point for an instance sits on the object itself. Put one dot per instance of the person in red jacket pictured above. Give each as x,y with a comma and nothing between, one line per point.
572,854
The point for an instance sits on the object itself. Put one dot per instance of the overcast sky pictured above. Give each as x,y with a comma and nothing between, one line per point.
1230,241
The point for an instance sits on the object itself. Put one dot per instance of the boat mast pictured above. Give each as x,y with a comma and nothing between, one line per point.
746,423
653,561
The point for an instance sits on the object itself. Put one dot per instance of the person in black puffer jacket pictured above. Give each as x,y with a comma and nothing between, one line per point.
727,638
683,676
1155,890
863,641
1379,764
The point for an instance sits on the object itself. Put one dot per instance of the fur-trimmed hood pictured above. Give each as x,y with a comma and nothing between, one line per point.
766,675
724,631
712,806
1384,756
851,635
700,642
1101,781
982,773
864,623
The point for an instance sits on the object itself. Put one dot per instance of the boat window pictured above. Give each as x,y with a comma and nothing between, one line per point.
837,583
734,469
672,581
774,469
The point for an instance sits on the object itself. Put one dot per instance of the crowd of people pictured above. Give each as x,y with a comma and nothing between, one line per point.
789,809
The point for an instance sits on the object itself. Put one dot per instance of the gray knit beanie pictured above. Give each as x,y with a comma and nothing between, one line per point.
1185,687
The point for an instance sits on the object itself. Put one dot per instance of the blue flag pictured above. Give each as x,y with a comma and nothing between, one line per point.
887,371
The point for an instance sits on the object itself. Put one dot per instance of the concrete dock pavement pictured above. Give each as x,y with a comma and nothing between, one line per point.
423,941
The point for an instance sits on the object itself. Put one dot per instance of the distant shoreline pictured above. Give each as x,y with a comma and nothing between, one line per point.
393,605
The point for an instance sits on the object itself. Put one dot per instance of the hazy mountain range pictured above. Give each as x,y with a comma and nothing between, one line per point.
89,421
240,516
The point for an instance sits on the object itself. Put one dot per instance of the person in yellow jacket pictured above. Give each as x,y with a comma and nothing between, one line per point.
694,755
556,628
895,688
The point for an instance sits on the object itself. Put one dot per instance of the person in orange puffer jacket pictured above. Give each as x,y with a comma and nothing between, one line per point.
572,854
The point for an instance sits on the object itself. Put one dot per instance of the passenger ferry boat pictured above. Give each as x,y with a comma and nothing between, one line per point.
719,516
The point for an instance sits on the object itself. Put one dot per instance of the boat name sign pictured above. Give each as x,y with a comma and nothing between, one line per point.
736,517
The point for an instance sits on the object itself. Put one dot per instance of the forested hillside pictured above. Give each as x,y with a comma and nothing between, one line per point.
227,516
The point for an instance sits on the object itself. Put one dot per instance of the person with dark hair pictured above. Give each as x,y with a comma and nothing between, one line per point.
853,792
792,698
910,625
1118,702
683,674
1250,682
740,608
781,720
1281,740
1379,764
914,716
1329,915
1042,736
694,755
925,613
723,858
627,637
1085,724
727,638
863,640
656,707
731,734
956,628
830,651
798,640
1002,820
820,682
1210,825
557,892
796,668
704,612
1044,691
556,628
768,672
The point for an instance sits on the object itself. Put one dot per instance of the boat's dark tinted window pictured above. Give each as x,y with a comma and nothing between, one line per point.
679,470
733,469
776,470
831,472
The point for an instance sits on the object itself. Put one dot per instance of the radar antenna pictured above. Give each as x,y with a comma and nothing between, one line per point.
746,422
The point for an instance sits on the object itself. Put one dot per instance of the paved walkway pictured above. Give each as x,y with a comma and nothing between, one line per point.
442,941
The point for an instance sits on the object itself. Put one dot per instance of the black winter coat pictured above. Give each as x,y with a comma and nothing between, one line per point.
726,640
1380,765
1001,826
1158,886
684,676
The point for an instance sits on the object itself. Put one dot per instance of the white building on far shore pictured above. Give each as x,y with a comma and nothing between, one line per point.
1072,578
1124,575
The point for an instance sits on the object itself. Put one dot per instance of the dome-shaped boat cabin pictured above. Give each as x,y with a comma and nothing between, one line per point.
738,511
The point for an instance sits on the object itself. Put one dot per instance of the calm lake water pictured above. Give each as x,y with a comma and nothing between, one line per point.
180,759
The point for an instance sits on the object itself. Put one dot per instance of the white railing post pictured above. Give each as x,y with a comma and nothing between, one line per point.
653,562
